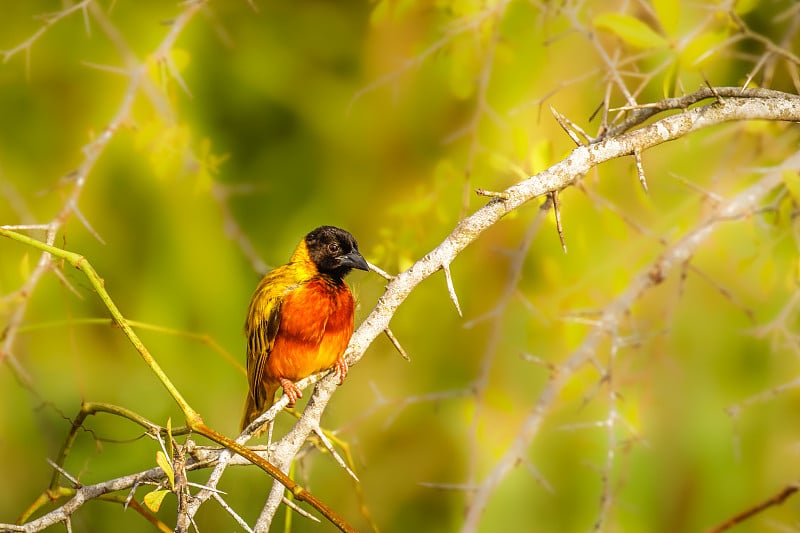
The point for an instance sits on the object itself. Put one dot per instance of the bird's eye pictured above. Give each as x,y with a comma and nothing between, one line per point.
333,248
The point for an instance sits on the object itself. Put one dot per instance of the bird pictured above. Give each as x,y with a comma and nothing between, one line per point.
300,318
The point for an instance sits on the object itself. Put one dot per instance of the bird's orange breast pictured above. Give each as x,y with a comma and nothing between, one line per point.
315,326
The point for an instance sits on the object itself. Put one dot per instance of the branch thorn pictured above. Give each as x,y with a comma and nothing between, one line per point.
716,93
397,344
382,273
329,445
64,473
559,228
451,289
637,156
569,127
491,194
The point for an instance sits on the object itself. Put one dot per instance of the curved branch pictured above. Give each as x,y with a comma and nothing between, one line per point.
555,178
640,114
92,152
673,257
774,107
777,107
193,418
201,458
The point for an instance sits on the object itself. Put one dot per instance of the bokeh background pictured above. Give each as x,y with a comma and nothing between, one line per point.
275,117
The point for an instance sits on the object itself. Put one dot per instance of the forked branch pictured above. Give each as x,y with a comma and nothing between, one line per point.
740,105
624,142
193,418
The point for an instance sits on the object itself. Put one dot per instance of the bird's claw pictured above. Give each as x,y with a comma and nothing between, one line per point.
291,391
341,367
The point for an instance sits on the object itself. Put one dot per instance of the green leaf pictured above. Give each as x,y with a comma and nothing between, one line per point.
745,6
500,400
25,266
541,155
380,13
153,499
791,180
521,141
163,462
702,48
464,65
668,83
668,12
797,273
630,29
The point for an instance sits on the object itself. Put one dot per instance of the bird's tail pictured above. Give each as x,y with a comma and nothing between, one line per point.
254,408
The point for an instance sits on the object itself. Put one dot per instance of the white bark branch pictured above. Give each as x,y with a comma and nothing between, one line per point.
673,257
748,106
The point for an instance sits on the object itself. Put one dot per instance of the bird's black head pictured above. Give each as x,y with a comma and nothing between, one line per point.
334,251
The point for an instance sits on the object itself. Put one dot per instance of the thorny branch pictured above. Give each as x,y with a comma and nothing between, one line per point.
616,141
91,154
771,106
49,20
199,458
619,140
674,256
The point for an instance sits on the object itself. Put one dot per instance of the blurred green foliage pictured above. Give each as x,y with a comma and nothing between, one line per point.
382,118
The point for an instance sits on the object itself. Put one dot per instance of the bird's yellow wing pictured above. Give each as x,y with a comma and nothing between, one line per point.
262,323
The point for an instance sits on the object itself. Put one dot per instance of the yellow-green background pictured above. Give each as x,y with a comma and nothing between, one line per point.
287,140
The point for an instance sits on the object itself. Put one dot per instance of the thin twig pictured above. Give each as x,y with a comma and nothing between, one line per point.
396,344
569,127
302,512
776,499
239,520
672,258
382,273
557,213
491,194
329,445
451,290
64,473
637,157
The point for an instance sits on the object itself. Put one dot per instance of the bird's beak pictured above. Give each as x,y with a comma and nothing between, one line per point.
354,260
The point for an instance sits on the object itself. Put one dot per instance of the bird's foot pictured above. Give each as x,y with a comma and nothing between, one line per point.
341,367
291,391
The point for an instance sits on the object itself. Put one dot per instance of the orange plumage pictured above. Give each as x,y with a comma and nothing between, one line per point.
300,318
